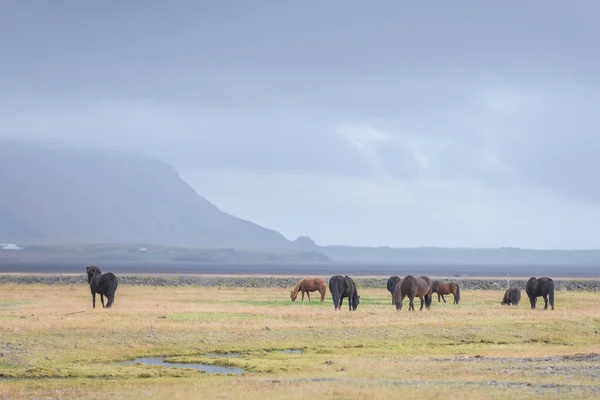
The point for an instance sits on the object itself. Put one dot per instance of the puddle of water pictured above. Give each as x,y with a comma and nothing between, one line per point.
222,355
291,351
211,369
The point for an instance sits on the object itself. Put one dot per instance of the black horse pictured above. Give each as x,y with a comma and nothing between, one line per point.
511,297
104,284
343,286
544,287
391,285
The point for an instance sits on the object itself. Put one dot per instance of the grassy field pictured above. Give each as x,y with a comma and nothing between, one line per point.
50,349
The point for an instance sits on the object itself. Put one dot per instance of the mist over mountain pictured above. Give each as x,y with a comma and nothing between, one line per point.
66,203
58,194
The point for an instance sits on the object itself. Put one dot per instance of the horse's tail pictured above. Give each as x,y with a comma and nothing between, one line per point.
322,289
551,296
112,288
296,289
457,295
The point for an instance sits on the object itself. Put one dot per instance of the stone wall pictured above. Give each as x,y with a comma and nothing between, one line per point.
279,282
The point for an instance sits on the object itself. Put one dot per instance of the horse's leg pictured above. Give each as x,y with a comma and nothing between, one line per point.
93,299
308,294
322,296
439,297
399,303
443,298
411,306
545,301
302,295
533,300
102,299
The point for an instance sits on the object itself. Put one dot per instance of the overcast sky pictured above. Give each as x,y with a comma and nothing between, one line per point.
440,123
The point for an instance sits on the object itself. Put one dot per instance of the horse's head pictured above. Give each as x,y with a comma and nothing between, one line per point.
355,302
91,271
293,295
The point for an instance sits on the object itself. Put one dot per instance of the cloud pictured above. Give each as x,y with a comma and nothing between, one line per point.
384,211
399,102
368,142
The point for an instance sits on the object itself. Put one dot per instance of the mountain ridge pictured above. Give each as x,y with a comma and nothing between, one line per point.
59,194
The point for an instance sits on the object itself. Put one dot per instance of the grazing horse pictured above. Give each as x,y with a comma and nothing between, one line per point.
343,286
442,288
540,287
512,296
307,285
413,287
391,285
104,284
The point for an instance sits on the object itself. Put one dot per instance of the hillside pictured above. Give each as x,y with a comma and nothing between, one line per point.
68,195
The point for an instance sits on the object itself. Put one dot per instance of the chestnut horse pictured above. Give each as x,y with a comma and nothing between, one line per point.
413,287
442,288
307,285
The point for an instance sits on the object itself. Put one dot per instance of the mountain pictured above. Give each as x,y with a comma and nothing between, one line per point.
61,195
64,203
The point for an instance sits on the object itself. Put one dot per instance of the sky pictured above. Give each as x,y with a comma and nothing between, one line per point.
380,123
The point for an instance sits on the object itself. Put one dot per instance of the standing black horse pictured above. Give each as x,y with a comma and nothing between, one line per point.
104,284
540,287
343,286
391,285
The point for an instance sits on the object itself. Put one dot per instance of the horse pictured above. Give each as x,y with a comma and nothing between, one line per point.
413,287
512,296
442,288
391,285
104,284
307,285
544,287
343,286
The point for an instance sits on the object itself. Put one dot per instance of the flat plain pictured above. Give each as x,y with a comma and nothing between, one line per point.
54,345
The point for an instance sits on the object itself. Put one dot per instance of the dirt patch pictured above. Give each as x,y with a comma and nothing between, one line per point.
10,354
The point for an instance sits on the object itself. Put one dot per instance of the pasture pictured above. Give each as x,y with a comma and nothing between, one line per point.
478,349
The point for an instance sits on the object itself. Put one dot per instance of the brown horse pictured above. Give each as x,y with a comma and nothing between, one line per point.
413,287
307,285
442,288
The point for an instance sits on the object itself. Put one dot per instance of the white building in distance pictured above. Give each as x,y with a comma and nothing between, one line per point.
10,246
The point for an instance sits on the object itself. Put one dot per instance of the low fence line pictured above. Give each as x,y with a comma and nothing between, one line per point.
280,282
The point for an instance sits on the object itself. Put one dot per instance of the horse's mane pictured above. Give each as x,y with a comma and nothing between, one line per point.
297,287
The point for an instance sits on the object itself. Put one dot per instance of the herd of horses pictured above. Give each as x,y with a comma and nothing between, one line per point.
412,287
342,287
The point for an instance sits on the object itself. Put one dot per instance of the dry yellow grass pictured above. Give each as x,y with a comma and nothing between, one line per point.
375,352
